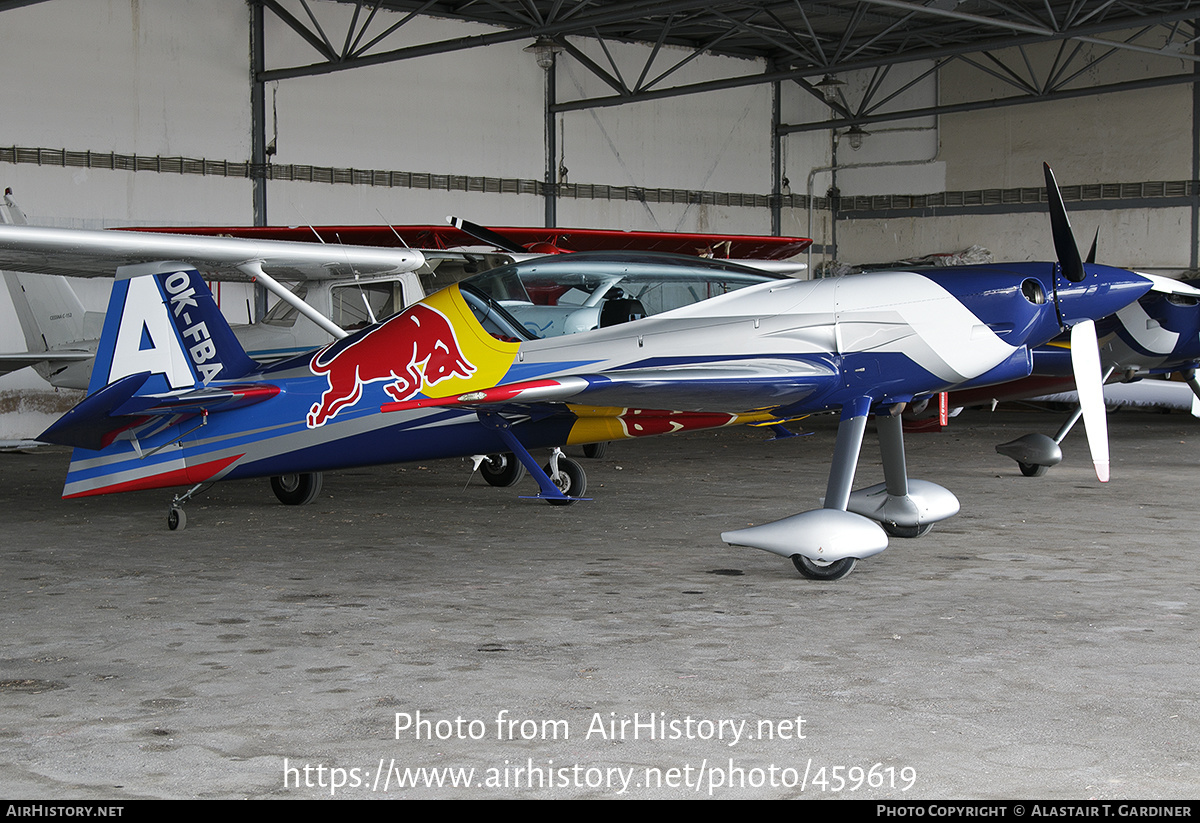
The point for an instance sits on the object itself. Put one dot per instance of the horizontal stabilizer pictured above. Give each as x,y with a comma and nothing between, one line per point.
91,424
200,401
95,422
19,360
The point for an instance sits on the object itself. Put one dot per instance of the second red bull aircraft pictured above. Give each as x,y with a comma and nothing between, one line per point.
580,349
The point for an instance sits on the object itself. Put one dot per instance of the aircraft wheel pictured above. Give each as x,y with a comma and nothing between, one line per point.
823,571
1032,469
501,470
571,480
176,519
595,451
297,489
907,531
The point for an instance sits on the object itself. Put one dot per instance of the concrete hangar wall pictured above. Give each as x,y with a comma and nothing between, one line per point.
162,79
1133,155
172,80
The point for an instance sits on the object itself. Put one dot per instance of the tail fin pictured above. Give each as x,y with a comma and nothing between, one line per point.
162,321
51,315
47,308
166,359
53,319
164,342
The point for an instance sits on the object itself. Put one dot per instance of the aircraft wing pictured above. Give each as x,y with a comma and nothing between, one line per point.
89,253
727,387
735,246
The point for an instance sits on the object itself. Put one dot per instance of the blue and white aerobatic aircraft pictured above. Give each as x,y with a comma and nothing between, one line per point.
681,343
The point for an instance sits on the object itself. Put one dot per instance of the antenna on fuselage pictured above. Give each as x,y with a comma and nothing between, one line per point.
393,228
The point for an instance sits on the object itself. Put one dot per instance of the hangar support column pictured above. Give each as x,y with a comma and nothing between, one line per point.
551,141
258,138
776,161
1194,262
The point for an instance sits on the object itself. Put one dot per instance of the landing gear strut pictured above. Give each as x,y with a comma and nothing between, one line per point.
176,519
560,483
825,544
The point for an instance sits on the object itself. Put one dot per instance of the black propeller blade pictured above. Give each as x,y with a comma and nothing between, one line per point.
1060,227
487,235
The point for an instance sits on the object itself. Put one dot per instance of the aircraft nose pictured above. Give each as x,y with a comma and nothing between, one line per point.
1103,291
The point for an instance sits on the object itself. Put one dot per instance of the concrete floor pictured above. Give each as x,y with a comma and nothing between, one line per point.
1043,643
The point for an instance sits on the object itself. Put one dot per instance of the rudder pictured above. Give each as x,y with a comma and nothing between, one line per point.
162,320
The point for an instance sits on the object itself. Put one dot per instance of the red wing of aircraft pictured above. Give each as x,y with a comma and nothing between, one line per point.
524,239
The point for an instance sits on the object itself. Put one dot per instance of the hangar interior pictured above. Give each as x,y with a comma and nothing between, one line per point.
999,660
883,129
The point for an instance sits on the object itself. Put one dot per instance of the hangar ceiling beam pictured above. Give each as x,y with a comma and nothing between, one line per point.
979,105
1014,68
798,70
800,38
1026,28
570,21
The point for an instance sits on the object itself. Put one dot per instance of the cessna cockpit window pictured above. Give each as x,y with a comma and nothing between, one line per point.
350,303
284,314
571,293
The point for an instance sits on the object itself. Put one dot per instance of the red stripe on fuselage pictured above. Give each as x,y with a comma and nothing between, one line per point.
187,476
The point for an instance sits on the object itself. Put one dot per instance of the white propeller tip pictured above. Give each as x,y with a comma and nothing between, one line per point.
1102,472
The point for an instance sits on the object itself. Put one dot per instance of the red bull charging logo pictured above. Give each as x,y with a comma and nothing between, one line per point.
414,350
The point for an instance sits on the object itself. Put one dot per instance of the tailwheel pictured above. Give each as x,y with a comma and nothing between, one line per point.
570,480
817,570
176,519
297,489
501,470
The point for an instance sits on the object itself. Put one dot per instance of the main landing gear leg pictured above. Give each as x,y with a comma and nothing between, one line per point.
1189,377
824,544
560,483
904,507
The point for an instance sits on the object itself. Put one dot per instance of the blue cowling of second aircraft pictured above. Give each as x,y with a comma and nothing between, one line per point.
1173,313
